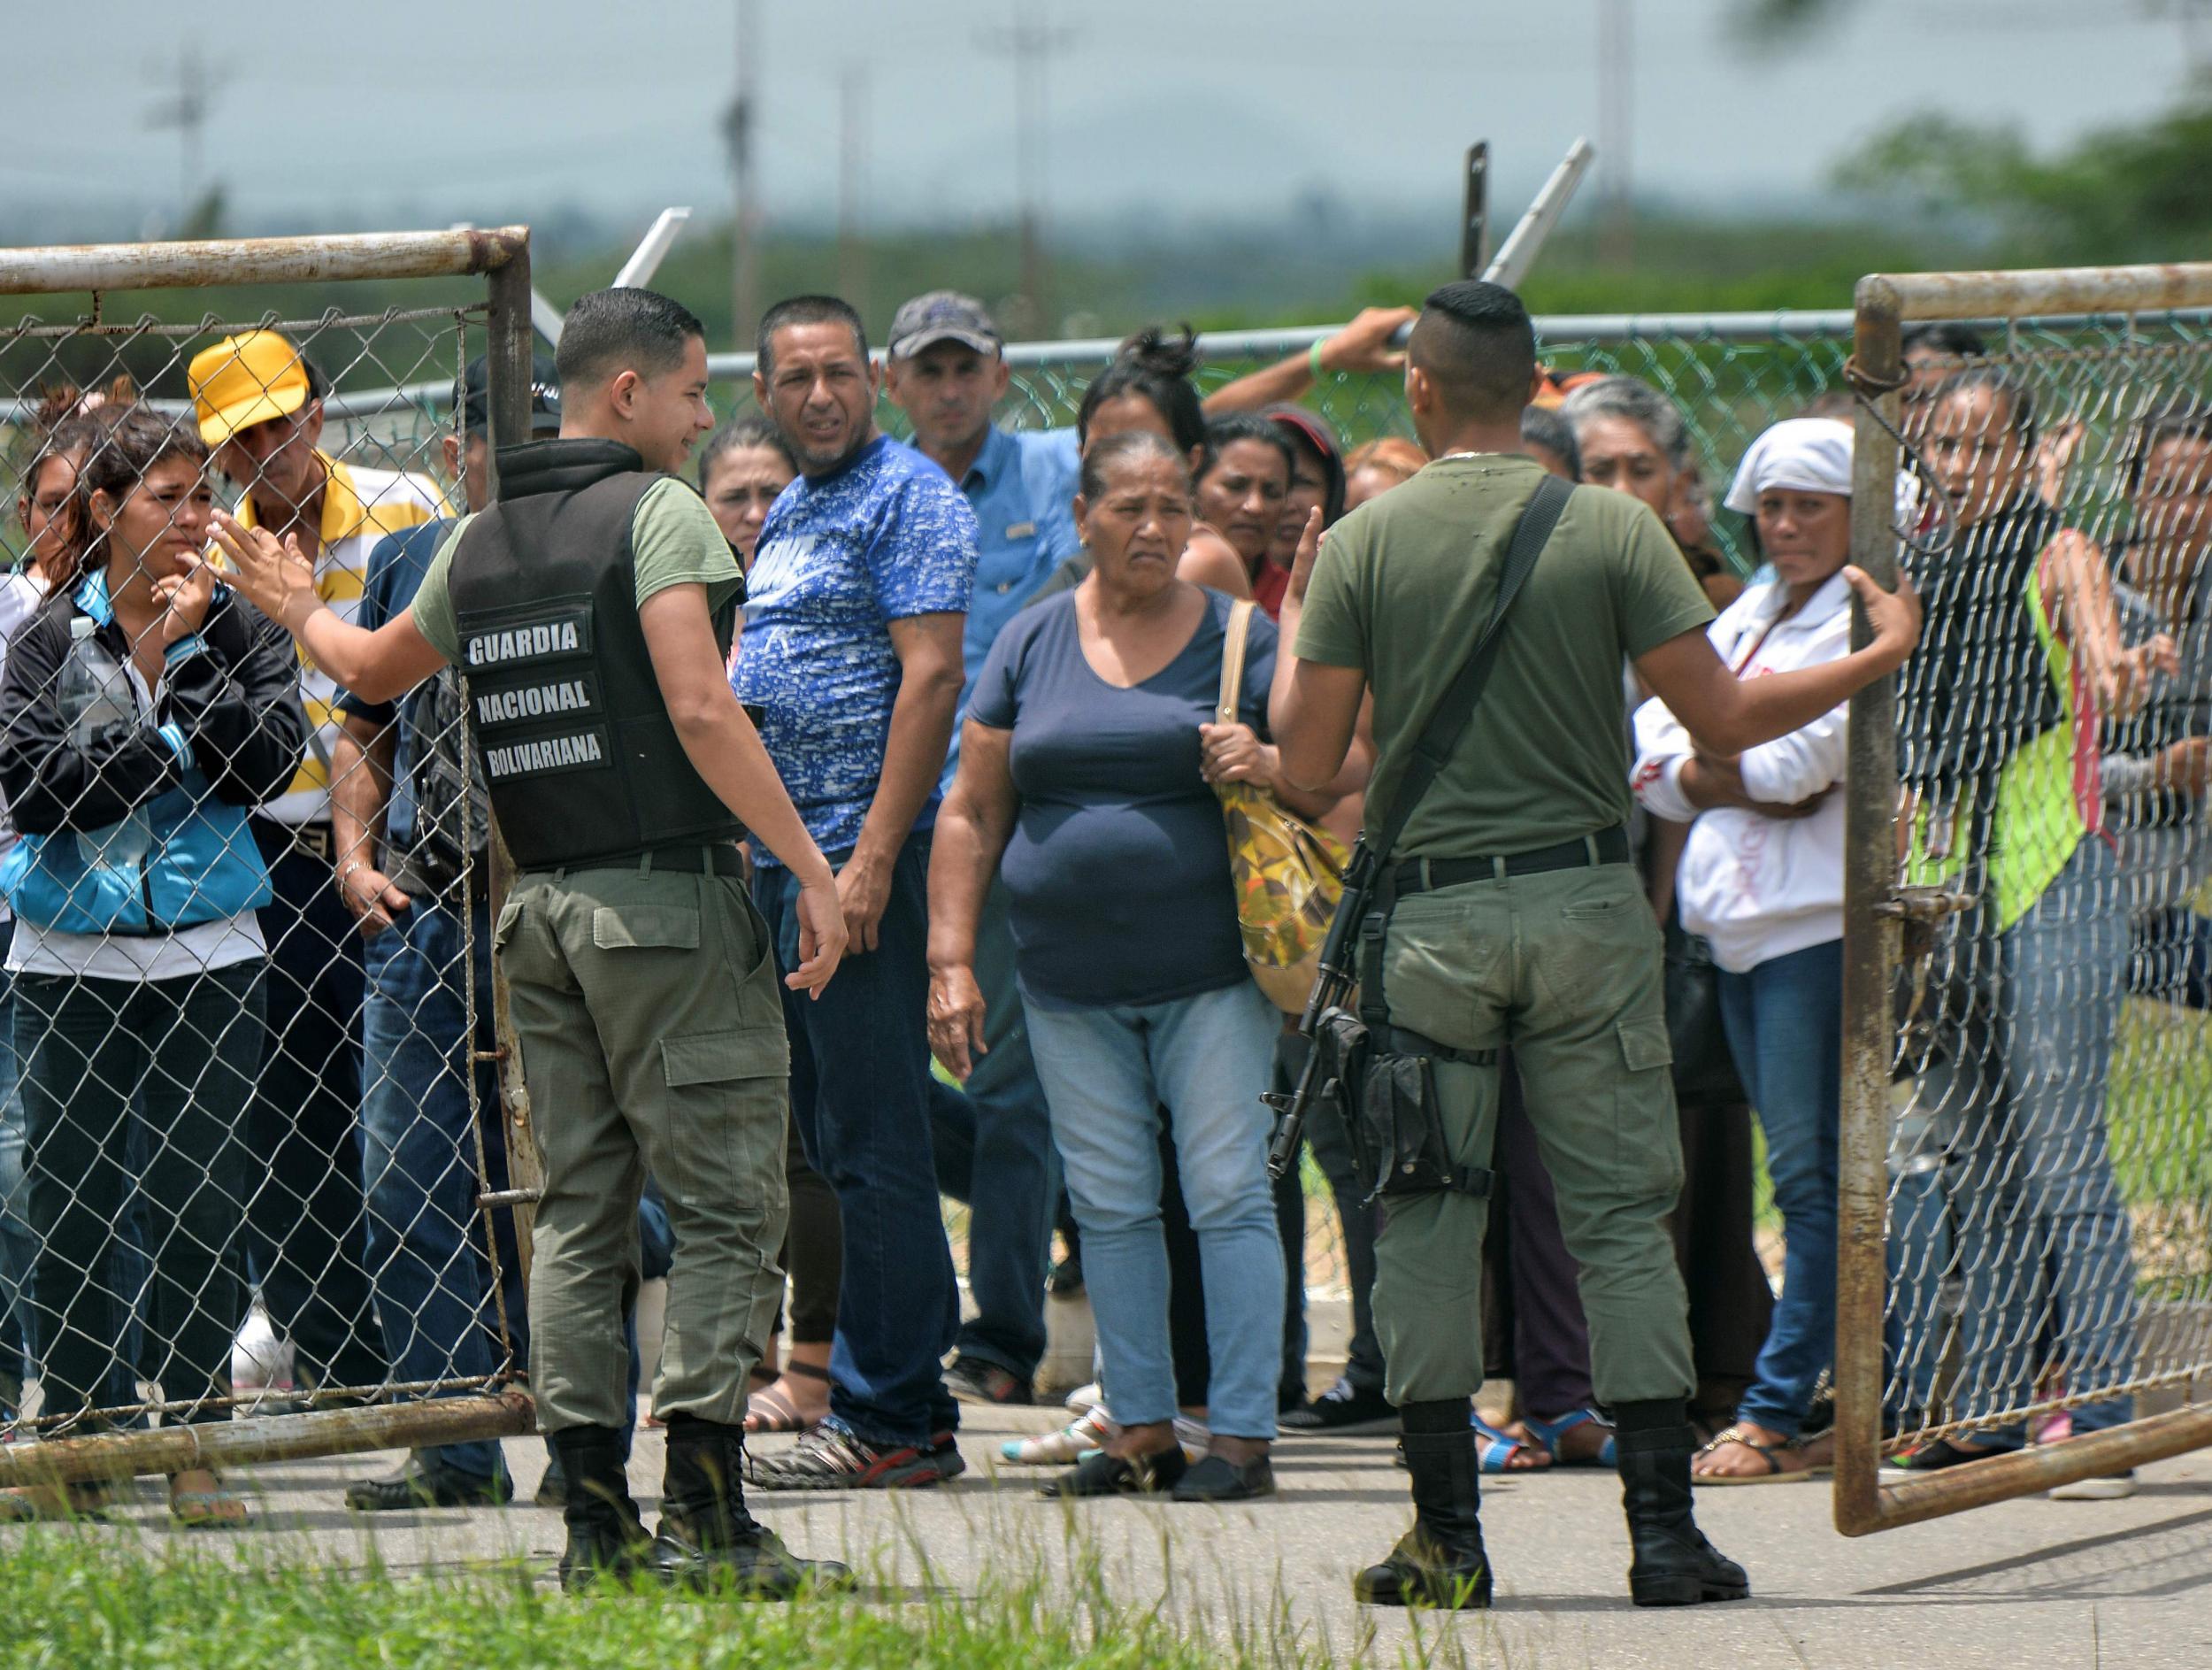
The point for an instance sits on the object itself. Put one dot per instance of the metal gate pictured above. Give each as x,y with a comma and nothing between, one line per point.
2026,1154
200,1115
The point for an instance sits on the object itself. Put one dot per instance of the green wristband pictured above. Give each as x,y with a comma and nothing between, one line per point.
1313,359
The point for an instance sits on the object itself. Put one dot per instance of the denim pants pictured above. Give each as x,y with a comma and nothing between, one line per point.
426,1238
860,1093
307,1222
175,1058
1106,1073
1784,1021
19,1243
2036,1227
993,1140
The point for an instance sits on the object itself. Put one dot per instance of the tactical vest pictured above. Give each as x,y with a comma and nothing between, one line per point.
573,735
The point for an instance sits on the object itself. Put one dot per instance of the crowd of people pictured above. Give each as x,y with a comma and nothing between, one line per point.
985,669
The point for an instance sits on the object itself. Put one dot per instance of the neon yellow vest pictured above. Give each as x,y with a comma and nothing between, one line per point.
2036,824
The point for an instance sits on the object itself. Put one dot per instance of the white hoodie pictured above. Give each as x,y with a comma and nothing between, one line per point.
1756,886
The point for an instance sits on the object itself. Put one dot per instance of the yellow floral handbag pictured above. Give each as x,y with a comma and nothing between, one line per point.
1288,873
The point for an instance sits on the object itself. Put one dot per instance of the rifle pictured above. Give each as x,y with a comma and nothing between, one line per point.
1334,1034
1331,991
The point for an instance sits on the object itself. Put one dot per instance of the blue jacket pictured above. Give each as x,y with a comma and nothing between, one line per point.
133,816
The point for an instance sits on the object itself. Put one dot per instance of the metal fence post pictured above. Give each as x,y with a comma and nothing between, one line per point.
1869,873
512,351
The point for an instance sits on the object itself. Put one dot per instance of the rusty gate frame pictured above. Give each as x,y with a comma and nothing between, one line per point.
1873,912
501,255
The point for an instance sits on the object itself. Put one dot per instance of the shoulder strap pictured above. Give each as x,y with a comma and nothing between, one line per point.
1234,637
1457,706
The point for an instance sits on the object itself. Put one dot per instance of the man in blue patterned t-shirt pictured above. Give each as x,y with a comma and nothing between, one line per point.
852,651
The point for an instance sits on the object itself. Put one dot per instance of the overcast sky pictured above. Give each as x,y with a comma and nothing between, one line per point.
1229,108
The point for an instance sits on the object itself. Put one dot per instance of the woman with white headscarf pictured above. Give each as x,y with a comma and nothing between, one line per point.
1762,879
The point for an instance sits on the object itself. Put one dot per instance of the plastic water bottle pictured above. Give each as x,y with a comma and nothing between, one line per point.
96,701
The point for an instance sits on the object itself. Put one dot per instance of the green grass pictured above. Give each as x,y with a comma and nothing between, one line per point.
85,1597
76,1600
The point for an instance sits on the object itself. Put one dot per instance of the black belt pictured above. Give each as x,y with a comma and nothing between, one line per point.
698,857
312,840
1424,875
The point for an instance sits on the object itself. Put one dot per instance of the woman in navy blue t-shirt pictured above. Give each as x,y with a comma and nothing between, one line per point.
1087,760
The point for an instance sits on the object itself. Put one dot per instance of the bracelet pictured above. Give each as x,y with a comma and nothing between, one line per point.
1313,359
352,865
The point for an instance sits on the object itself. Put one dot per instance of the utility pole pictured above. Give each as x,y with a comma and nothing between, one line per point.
738,125
852,186
1031,45
1616,117
186,111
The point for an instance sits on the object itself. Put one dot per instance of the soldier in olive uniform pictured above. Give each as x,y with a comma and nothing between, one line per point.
1512,913
591,607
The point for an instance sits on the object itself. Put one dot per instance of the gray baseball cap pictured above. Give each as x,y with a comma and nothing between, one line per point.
942,316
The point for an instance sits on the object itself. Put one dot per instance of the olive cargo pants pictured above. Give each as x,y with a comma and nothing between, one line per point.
1565,967
647,1012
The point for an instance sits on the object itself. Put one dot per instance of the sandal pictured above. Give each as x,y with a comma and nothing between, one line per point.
54,1504
771,1409
1771,1454
1547,1435
1495,1450
215,1509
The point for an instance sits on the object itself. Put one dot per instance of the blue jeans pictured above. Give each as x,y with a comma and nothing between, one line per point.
1106,1073
426,1249
2171,958
19,1243
993,1139
860,1093
2037,1229
1784,1024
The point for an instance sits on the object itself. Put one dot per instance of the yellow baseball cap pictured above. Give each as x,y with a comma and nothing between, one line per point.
245,379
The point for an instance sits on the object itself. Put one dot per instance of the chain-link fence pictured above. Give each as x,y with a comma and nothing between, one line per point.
255,1157
2027,1290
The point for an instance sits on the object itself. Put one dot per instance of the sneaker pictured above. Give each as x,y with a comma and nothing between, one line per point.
1074,1441
1929,1458
828,1459
1066,1279
1195,1437
1344,1410
2114,1486
974,1381
1085,1398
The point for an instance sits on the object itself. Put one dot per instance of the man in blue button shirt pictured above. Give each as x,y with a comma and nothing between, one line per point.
947,370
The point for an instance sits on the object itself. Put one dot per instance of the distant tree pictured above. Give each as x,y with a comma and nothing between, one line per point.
2141,191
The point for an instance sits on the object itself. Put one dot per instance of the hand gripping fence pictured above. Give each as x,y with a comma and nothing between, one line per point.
2026,1145
260,1194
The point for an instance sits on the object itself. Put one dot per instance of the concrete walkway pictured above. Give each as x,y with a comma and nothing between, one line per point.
2054,1585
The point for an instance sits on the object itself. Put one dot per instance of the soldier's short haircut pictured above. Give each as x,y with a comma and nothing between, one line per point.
610,332
1478,349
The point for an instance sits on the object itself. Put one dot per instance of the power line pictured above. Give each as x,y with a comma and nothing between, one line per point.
1031,45
185,110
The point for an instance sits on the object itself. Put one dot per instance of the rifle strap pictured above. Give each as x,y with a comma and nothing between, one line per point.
1448,724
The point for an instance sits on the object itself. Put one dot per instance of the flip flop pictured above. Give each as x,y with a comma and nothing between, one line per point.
771,1409
1549,1433
1495,1450
1776,1472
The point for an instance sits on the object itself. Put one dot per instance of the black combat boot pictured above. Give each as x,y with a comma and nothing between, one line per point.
707,1539
606,1538
1673,1564
1440,1561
